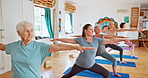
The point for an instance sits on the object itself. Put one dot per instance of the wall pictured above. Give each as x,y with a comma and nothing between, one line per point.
14,11
92,13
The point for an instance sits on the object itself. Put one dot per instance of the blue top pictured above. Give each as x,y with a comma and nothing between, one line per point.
26,60
87,59
101,49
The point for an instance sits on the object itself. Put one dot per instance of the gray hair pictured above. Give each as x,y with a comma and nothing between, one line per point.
110,23
21,24
96,26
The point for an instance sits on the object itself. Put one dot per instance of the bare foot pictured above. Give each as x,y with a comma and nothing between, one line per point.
133,56
123,62
117,75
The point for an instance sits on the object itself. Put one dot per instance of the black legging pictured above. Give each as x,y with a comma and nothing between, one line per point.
95,68
113,46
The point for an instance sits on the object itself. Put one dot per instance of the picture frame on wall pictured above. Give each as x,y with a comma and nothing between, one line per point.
126,19
141,13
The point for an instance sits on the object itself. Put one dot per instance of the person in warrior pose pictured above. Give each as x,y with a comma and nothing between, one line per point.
122,27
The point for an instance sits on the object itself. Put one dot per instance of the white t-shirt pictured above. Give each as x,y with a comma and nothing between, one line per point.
124,34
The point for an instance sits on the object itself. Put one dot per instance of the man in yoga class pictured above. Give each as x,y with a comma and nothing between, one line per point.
27,55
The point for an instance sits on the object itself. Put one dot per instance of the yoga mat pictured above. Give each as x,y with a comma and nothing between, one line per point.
126,48
102,61
124,56
87,73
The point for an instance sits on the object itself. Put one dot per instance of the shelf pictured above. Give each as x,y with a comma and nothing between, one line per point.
145,19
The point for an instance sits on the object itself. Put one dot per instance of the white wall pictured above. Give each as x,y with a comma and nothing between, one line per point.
92,13
14,11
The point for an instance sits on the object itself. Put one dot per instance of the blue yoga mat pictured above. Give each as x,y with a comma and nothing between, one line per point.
87,73
124,56
102,61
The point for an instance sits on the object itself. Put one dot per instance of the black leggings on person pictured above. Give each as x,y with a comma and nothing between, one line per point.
95,68
113,46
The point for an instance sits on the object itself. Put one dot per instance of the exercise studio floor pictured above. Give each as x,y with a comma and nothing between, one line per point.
61,61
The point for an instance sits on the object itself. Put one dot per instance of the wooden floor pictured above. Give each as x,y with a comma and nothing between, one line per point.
61,61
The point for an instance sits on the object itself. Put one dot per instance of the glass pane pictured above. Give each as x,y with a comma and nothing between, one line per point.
40,24
37,21
44,28
68,27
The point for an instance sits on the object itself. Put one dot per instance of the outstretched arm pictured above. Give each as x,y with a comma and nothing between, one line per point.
121,30
113,40
103,31
113,36
2,47
120,36
65,40
77,36
60,47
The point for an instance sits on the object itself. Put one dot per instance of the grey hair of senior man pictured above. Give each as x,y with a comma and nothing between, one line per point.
96,27
21,24
110,23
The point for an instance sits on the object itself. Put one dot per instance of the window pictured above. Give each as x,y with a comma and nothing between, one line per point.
68,25
40,24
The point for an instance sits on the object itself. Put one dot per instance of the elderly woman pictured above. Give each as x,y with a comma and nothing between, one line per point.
27,55
86,60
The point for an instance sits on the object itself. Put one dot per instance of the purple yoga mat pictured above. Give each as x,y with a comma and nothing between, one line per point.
126,48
